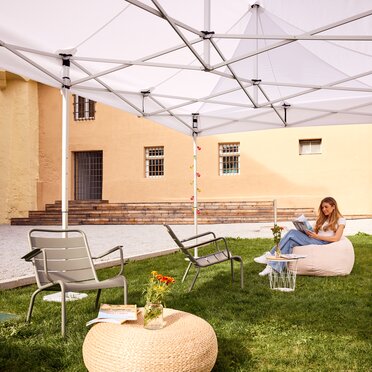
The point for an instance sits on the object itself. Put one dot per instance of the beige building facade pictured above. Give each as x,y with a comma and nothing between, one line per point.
19,146
270,164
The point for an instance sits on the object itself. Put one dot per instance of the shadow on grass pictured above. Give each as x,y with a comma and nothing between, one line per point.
22,351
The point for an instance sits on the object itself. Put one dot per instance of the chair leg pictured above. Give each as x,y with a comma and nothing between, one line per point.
30,308
97,298
195,277
125,290
186,272
241,273
232,270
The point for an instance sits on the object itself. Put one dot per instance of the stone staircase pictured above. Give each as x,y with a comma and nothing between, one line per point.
101,212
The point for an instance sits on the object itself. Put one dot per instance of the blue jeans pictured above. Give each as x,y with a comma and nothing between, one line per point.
292,239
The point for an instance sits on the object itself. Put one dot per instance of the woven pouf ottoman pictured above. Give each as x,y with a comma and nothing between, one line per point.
185,343
331,259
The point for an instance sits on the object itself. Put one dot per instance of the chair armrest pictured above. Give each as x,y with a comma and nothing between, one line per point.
117,248
30,255
35,252
109,251
199,236
215,240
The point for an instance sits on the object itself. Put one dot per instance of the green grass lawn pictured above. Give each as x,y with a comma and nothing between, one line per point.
325,325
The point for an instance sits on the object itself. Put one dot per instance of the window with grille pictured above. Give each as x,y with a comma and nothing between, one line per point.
310,146
84,108
229,158
88,175
154,161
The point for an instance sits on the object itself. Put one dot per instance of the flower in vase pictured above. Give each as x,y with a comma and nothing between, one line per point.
277,233
159,285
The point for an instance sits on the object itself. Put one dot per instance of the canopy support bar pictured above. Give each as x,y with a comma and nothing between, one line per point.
331,113
159,14
171,113
179,33
294,37
311,33
233,74
328,86
256,82
313,88
31,62
109,89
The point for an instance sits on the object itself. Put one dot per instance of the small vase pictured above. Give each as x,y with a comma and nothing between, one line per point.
277,251
153,317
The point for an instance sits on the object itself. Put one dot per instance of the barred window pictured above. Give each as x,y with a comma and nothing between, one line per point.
229,158
154,166
84,108
310,146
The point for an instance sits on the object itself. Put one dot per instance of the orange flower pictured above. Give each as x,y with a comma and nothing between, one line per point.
157,287
169,279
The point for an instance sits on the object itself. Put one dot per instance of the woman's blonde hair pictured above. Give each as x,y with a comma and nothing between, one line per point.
332,218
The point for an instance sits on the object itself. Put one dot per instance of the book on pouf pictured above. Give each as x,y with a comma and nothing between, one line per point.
115,314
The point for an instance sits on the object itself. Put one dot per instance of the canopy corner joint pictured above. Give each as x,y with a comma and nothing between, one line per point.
207,35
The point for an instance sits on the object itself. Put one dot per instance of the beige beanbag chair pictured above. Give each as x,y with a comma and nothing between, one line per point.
331,259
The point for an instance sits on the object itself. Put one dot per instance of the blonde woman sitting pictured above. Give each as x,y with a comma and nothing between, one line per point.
328,228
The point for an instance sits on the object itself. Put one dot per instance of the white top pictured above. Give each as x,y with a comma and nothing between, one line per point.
322,232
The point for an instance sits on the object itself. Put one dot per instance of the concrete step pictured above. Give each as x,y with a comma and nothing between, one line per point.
102,212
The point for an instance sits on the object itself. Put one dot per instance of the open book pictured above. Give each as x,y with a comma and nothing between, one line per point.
302,224
115,314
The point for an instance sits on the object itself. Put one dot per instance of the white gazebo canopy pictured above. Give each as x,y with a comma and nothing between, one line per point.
239,65
200,67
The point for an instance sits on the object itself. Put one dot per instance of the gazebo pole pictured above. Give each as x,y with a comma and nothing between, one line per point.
194,137
256,6
195,122
65,137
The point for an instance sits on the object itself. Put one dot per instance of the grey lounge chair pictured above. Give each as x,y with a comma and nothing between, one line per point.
62,262
218,256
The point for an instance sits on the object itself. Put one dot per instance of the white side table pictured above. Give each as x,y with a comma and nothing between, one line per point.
285,280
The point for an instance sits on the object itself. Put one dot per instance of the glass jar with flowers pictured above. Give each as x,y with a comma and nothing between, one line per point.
277,233
159,285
